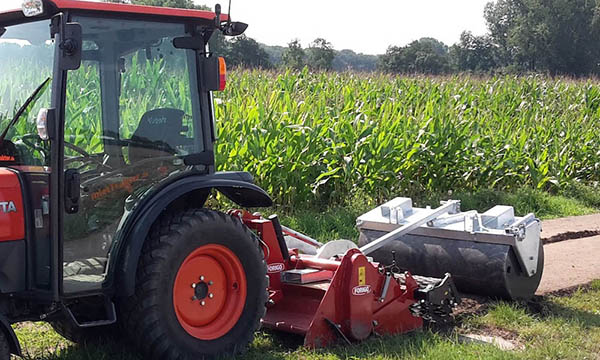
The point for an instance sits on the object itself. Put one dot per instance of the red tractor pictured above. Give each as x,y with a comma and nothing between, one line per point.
103,221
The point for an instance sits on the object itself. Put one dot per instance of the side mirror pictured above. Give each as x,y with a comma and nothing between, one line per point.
234,28
189,42
71,46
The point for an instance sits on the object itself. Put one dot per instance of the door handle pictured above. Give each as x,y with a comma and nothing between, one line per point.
72,190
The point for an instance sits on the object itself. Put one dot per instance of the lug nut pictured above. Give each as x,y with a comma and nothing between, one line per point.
211,296
201,278
210,282
194,298
203,303
193,286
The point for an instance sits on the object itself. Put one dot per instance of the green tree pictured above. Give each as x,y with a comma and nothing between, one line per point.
501,16
474,53
557,36
246,52
426,56
349,60
218,44
321,55
294,56
275,53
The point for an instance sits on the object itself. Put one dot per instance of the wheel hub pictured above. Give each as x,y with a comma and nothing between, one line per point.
209,293
201,291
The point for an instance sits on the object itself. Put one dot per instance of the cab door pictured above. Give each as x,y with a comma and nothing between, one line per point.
132,113
68,55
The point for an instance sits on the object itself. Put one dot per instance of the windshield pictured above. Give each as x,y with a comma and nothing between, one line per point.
26,57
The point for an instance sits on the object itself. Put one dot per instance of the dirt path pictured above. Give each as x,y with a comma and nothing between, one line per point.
575,227
570,263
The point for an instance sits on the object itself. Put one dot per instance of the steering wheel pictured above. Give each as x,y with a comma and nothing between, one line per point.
31,140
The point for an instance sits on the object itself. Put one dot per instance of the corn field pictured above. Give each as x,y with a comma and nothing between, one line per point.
331,135
312,138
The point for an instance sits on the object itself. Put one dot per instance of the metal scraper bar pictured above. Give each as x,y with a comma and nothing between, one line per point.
451,206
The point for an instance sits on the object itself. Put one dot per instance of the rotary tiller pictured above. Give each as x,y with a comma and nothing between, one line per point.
339,293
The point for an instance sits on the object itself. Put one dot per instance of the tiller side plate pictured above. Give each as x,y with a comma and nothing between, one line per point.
343,298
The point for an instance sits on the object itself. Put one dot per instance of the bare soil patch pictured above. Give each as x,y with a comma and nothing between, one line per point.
570,263
570,228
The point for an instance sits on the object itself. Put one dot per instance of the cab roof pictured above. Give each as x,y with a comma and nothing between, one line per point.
52,7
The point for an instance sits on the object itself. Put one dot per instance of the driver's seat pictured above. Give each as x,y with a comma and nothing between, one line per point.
157,135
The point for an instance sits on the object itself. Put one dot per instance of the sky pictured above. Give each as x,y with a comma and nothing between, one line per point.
363,26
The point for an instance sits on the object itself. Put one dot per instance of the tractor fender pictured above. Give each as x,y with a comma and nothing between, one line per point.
237,186
11,337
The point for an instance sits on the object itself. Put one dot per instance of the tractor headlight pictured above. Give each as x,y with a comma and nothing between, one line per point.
42,124
32,7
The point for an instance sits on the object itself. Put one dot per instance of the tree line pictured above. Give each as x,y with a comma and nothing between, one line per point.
558,37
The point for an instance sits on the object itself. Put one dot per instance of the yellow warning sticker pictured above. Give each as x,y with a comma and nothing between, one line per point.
362,275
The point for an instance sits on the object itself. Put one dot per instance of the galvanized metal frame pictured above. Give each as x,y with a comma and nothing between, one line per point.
522,235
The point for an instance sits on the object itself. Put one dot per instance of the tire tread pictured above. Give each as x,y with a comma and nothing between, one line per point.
4,347
139,312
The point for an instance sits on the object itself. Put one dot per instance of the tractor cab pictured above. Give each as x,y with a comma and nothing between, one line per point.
106,154
102,107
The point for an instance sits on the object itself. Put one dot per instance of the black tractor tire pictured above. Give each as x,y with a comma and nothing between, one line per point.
95,335
150,318
4,347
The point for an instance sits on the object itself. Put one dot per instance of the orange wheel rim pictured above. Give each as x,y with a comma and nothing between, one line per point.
210,291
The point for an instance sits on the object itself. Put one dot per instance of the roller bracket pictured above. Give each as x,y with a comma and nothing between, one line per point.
410,223
527,243
496,226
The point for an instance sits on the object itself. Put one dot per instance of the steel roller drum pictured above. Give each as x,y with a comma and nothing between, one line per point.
486,269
